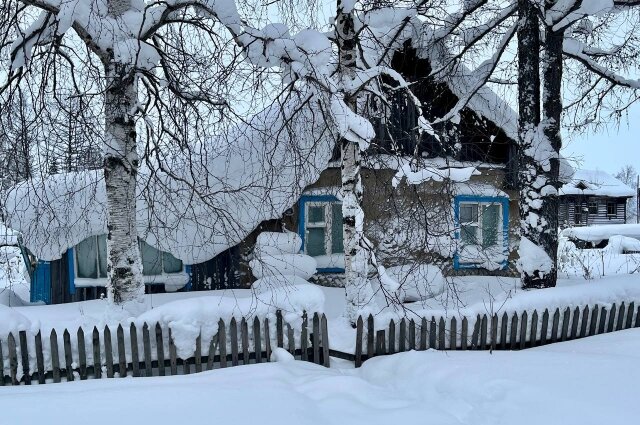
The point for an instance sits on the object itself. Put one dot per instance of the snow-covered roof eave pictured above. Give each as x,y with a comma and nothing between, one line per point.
595,183
261,171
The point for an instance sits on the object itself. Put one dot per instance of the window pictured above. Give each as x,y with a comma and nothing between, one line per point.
577,213
320,227
155,262
323,228
612,208
91,259
479,223
593,207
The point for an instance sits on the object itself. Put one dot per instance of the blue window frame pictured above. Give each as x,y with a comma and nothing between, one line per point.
320,228
478,221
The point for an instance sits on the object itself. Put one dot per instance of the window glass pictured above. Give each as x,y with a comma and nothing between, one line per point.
469,234
468,213
170,263
593,207
102,255
490,220
151,259
611,208
316,214
337,244
86,256
315,241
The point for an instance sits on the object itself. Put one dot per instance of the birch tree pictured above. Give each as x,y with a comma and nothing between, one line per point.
358,290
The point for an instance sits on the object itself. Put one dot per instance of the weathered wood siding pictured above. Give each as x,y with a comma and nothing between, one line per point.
570,205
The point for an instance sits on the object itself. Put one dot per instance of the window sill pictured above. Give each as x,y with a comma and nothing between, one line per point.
172,281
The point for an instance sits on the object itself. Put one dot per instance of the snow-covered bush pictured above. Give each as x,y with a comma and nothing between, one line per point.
595,263
277,262
14,279
622,244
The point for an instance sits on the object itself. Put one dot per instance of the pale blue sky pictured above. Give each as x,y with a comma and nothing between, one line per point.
607,149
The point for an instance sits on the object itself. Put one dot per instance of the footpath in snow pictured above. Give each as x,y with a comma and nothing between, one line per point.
589,381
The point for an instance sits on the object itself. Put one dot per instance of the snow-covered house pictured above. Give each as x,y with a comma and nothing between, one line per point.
465,226
446,200
593,197
187,226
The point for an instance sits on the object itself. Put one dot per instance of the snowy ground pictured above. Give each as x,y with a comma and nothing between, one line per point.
590,381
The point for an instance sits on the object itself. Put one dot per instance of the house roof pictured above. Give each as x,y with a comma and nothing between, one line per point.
223,189
596,183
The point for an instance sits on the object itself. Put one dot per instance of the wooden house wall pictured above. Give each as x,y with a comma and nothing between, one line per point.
60,292
569,204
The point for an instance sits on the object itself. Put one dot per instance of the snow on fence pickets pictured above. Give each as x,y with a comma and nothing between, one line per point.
151,350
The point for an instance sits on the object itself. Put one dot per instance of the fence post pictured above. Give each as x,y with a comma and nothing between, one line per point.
304,337
244,328
68,356
39,361
257,343
523,329
453,334
24,354
122,355
13,359
146,346
380,343
513,341
483,332
55,359
222,343
392,337
359,332
463,333
82,354
279,329
533,335
370,337
574,323
159,350
198,353
97,361
620,321
402,337
325,341
412,334
135,358
441,334
233,340
423,334
316,338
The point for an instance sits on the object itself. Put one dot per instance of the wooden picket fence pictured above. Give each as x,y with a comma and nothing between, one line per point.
488,332
240,342
243,341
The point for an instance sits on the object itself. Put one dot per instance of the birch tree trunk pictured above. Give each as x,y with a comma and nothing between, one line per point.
552,118
358,291
121,163
532,224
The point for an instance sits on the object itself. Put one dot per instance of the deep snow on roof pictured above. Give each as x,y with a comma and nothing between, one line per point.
596,182
205,199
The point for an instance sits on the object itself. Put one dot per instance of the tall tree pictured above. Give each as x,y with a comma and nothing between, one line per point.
358,290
